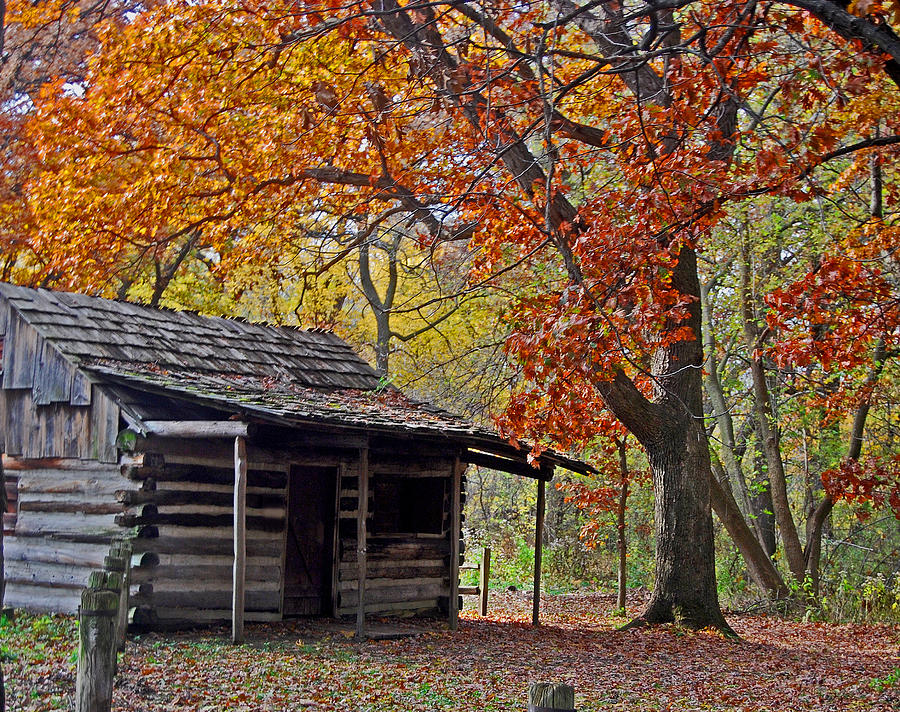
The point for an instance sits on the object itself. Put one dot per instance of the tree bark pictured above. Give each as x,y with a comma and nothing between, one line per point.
759,566
620,526
768,432
671,430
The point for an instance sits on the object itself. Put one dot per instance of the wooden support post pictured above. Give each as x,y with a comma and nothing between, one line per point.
362,512
455,531
549,696
484,579
538,552
96,651
240,539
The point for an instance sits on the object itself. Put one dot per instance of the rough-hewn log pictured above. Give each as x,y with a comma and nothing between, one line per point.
119,559
213,600
131,498
42,597
199,428
71,507
47,551
240,539
204,474
361,541
484,580
207,572
212,546
46,574
545,696
396,607
190,519
182,617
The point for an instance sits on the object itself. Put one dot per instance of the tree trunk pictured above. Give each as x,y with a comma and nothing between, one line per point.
768,432
620,526
762,509
685,588
760,567
671,430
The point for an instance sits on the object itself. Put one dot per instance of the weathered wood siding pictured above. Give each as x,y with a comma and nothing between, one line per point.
48,409
183,512
406,571
66,519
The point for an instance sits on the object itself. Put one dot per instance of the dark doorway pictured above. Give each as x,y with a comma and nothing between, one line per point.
309,555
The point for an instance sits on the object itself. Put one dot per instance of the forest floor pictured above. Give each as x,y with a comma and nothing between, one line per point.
312,666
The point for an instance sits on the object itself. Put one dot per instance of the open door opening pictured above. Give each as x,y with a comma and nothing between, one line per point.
309,553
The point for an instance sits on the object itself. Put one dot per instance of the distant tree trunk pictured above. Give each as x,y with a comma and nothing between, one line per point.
381,307
620,526
762,508
770,443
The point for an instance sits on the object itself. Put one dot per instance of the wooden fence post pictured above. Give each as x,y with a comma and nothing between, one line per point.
119,560
550,696
484,578
96,649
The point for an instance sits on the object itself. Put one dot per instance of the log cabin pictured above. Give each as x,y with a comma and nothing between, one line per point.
245,462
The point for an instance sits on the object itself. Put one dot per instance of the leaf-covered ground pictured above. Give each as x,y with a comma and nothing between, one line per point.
486,665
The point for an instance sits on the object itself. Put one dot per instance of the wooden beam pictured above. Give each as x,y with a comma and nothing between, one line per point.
362,511
336,541
455,527
240,539
538,551
513,467
198,428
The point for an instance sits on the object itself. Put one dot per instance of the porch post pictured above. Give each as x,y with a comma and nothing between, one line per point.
240,539
538,551
362,511
455,531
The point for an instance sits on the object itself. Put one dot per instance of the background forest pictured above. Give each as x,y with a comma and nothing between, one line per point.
143,152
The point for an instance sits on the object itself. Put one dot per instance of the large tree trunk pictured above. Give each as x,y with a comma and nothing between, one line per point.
685,588
671,430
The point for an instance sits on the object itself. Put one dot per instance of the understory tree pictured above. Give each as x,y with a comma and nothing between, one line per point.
583,153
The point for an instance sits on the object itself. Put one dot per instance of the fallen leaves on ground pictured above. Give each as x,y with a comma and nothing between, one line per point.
487,664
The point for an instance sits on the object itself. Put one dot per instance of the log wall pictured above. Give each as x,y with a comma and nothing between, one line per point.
407,571
65,522
182,510
175,499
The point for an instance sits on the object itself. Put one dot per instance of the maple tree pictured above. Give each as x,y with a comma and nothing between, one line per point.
597,144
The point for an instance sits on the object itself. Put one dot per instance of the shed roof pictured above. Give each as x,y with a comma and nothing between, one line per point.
277,374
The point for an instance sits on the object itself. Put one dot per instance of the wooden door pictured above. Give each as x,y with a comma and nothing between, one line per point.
309,554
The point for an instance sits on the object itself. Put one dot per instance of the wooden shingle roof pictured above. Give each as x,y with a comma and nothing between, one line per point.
125,336
277,374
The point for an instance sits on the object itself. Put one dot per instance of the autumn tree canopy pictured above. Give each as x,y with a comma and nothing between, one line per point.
583,154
